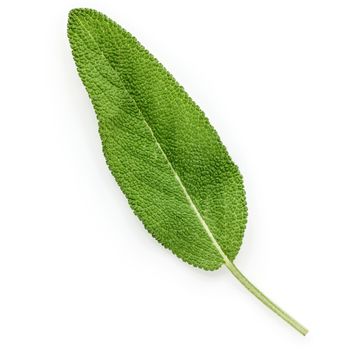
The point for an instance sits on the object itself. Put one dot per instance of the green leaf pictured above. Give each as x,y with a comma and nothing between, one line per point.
166,157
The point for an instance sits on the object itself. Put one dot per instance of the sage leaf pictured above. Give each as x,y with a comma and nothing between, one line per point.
166,157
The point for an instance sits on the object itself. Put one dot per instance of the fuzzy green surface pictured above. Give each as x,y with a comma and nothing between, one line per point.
159,145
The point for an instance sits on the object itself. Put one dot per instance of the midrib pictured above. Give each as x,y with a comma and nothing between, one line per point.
189,199
176,175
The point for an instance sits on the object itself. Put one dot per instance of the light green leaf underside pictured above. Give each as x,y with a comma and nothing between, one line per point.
166,157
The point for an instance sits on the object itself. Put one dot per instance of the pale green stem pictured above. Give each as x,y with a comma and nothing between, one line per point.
264,299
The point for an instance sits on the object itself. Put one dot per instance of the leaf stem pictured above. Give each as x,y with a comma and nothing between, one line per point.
264,299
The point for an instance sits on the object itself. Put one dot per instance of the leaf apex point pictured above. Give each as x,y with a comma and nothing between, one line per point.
79,10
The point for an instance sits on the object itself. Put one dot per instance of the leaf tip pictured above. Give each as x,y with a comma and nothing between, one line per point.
79,12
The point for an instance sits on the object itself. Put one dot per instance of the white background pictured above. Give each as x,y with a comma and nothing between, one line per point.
77,269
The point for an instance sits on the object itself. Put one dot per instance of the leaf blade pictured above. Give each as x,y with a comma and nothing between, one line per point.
162,150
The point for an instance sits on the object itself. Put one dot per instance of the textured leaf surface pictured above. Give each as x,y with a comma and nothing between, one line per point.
161,149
